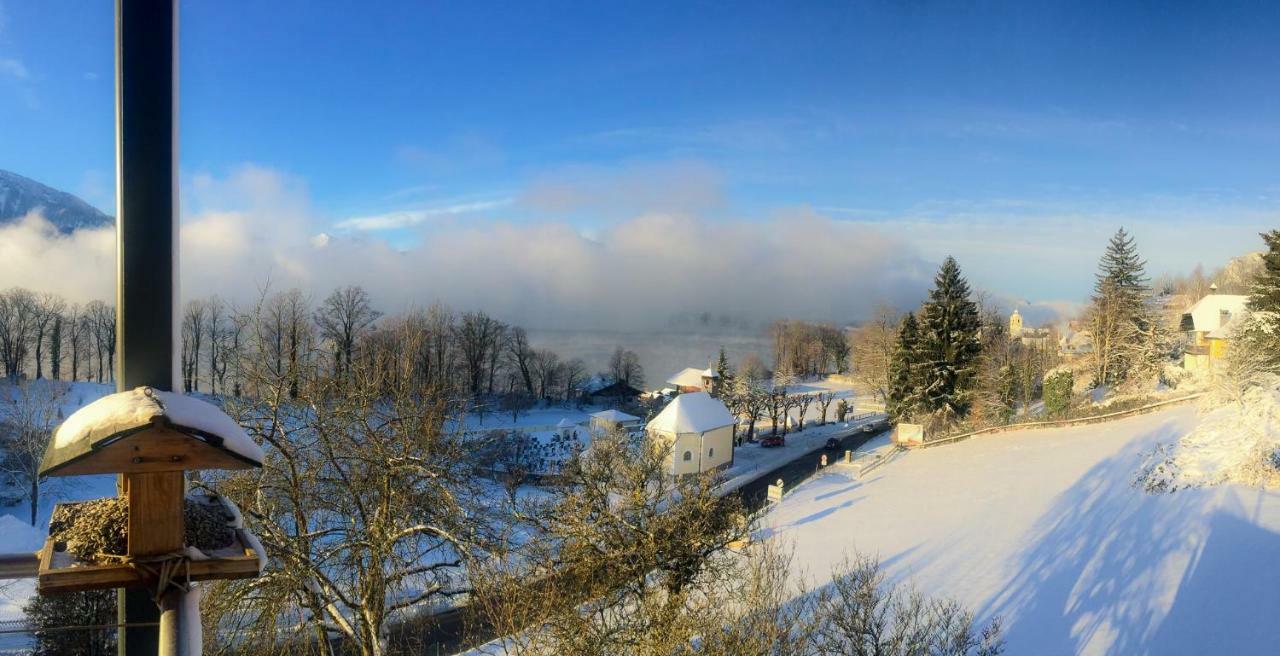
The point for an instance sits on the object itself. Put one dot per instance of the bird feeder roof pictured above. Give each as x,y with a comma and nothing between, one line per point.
148,423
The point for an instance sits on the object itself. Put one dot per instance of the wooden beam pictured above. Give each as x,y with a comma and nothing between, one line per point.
157,523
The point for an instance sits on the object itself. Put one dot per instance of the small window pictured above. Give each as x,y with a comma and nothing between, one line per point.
688,455
711,452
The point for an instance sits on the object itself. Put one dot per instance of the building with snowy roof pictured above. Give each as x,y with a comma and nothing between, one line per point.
610,421
692,379
1208,326
698,428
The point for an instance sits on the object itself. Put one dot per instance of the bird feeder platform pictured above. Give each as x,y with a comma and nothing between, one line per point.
62,571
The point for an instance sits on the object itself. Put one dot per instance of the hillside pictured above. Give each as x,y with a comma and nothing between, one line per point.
1045,529
20,195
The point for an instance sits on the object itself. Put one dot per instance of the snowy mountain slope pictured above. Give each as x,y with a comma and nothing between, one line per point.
1045,529
20,195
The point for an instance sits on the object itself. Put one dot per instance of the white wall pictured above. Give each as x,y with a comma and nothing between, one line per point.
707,451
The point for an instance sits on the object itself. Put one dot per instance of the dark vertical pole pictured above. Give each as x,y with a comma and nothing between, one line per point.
146,228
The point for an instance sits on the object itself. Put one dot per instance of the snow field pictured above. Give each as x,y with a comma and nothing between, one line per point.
1046,529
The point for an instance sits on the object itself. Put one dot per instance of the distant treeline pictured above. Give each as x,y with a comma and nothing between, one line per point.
470,353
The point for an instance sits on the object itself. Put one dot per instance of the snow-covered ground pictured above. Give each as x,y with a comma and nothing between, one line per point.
1235,440
1045,529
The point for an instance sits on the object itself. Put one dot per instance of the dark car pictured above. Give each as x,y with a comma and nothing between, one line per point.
773,440
832,444
868,428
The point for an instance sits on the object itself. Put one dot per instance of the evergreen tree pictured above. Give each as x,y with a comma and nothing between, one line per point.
904,392
950,344
55,348
1264,294
1122,321
724,385
1262,336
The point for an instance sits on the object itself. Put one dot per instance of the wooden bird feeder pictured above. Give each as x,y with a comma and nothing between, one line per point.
150,438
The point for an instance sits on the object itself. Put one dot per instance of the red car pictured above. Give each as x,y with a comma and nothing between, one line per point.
773,440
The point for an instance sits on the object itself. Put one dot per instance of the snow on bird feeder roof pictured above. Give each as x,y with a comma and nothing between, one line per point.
147,430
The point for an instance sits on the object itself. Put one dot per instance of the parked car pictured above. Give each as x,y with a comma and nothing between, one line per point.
832,444
868,428
773,440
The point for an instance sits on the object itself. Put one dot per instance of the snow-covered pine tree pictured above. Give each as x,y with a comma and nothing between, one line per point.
1262,333
904,391
1121,316
950,344
724,373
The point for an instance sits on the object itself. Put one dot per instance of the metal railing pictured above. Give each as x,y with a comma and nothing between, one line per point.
1059,423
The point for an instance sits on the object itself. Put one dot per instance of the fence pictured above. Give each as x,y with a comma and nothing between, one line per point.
1060,423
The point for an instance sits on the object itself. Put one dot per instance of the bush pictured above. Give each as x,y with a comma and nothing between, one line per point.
1057,392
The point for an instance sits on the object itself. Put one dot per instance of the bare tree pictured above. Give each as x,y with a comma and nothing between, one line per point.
76,339
872,346
752,405
624,367
824,400
47,308
574,375
478,336
800,403
19,310
34,410
546,369
617,560
360,502
218,324
441,351
102,325
193,331
776,404
862,614
342,317
521,354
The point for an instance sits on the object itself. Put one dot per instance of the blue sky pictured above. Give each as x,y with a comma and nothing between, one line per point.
936,121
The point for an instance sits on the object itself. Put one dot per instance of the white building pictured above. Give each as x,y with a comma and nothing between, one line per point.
1208,328
608,421
699,429
1212,312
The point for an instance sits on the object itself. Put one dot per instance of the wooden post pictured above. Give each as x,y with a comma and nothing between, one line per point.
156,522
146,233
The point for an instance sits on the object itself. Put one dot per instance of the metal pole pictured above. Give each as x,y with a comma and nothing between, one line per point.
146,232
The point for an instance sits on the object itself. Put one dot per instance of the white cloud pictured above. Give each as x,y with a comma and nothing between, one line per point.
410,218
257,225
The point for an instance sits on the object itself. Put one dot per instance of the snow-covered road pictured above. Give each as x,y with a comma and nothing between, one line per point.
1044,529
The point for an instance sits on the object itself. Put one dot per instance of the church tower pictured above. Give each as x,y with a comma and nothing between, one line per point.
1015,325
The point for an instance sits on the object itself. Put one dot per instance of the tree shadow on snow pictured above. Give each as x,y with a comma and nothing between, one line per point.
1111,569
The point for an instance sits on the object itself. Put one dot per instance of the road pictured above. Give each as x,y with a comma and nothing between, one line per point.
754,493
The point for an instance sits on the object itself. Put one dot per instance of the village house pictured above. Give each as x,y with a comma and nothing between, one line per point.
692,379
699,431
1207,328
612,421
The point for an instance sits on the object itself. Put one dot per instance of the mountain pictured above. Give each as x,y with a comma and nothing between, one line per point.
19,195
